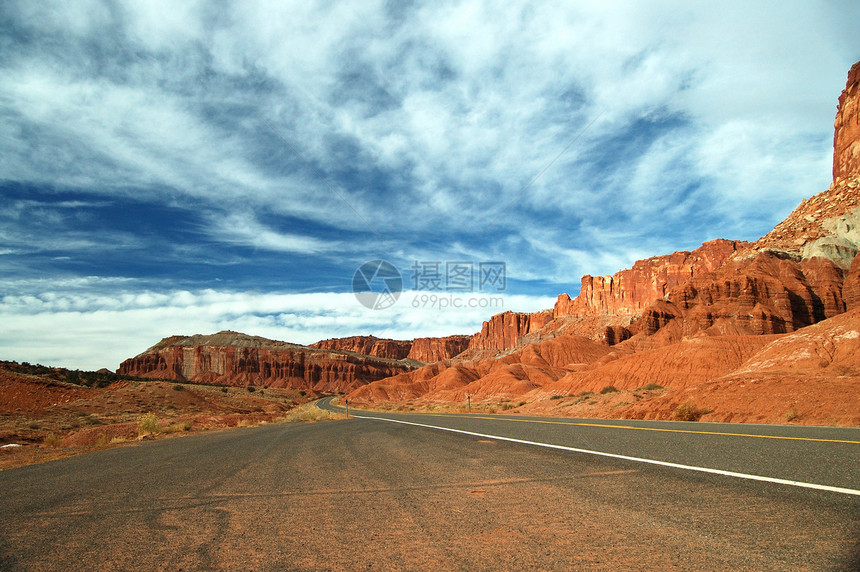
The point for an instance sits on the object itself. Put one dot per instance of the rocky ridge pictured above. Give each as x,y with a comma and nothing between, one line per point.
424,350
233,358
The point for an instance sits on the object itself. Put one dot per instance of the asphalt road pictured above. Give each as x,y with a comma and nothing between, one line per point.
377,495
824,456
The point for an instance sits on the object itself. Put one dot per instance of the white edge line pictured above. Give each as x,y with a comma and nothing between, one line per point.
637,459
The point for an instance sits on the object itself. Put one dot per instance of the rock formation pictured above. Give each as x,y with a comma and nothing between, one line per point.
429,350
367,345
231,358
424,350
846,136
629,292
502,331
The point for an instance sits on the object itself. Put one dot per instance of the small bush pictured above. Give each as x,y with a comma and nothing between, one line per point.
608,389
148,424
688,411
557,397
309,412
52,440
178,427
224,389
652,387
251,389
792,415
178,387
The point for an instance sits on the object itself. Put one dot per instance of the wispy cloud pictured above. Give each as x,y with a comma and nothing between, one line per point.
86,324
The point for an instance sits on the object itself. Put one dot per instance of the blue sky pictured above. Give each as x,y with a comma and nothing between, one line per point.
179,168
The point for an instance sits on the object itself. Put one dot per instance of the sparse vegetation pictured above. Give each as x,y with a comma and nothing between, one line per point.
309,412
148,424
178,427
792,415
688,411
557,397
251,389
651,387
85,418
608,389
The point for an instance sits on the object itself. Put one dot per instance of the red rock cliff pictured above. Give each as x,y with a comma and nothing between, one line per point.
231,358
367,345
425,350
502,331
429,350
846,136
628,292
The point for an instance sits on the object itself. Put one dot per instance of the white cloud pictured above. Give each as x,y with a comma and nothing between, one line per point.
92,326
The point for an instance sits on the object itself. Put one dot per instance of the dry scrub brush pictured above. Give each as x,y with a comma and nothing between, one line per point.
309,412
148,424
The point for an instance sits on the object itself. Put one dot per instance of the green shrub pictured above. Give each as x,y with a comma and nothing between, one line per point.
251,389
608,389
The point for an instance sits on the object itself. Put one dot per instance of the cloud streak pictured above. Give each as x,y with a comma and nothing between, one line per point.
87,324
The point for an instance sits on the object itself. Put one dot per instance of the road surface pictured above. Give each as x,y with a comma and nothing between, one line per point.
368,494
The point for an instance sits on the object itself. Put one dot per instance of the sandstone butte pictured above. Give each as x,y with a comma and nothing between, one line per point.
425,350
761,331
233,358
750,331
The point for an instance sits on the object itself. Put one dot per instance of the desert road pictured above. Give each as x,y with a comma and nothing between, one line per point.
381,494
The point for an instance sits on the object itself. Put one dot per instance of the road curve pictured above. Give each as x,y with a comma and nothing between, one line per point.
365,494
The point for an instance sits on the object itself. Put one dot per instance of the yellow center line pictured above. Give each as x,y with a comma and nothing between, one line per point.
606,425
